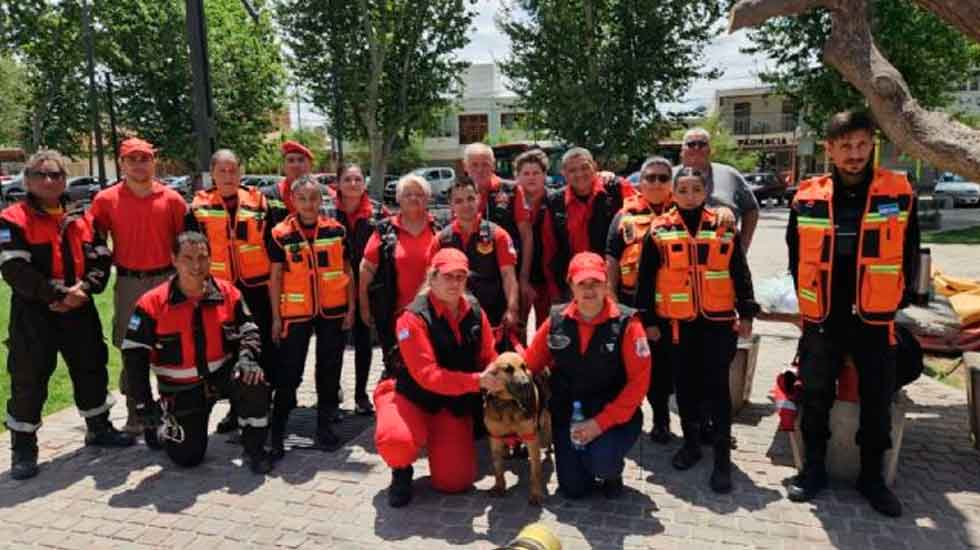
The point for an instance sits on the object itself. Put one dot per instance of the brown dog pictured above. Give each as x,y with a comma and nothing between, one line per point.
518,413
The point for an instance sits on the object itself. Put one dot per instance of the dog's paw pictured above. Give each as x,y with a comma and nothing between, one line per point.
536,499
498,491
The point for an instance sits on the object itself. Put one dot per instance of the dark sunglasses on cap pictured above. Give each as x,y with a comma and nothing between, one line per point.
697,144
662,178
40,174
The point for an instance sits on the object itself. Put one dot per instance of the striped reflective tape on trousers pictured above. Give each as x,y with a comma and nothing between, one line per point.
103,408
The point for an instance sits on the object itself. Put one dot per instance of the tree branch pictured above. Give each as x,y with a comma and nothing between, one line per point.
964,16
932,136
749,13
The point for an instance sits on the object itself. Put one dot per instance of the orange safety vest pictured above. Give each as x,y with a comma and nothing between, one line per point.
237,247
691,282
881,246
313,278
634,225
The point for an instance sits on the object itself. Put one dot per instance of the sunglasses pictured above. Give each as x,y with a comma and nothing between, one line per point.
662,178
43,175
700,144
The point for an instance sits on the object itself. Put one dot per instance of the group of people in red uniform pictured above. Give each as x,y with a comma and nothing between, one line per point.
636,292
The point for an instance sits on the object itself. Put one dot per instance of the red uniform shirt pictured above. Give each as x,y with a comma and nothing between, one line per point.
635,353
411,259
580,212
363,211
521,212
546,241
420,359
143,229
502,243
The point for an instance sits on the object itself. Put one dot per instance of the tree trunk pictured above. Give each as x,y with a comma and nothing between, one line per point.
930,135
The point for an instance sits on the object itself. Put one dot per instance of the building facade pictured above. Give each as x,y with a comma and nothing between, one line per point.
762,121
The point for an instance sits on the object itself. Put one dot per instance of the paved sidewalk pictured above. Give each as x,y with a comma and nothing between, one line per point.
93,499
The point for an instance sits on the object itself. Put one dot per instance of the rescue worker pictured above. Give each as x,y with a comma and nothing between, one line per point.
311,282
54,262
359,215
490,252
396,260
446,342
503,203
297,162
544,287
853,240
234,221
143,218
600,360
196,334
625,242
696,289
590,203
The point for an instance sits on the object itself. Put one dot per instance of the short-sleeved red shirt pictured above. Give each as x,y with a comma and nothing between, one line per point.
580,212
411,259
143,229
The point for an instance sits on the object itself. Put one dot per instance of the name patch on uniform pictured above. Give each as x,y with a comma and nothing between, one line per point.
403,335
5,236
558,341
134,322
642,348
888,209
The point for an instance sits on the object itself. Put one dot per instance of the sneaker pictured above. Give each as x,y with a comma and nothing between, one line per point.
109,436
686,457
808,484
880,497
400,490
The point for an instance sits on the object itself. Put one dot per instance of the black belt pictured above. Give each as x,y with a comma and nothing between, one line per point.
135,273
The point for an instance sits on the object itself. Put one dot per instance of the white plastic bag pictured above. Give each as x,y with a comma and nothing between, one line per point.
777,294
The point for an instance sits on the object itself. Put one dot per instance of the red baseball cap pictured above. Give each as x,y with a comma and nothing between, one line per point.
450,259
586,265
288,147
136,145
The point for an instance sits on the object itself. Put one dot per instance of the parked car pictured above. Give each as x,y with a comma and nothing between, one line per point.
765,186
82,188
180,184
440,180
13,190
962,191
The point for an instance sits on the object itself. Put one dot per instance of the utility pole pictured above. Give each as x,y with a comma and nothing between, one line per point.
112,123
197,38
93,96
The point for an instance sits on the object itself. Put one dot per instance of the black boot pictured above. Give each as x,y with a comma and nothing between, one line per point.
660,434
813,478
325,436
229,423
23,445
721,474
690,453
102,433
612,488
400,490
255,455
871,484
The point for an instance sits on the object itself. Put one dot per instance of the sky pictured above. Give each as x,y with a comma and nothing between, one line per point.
489,44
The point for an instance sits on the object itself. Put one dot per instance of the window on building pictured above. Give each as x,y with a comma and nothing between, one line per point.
472,128
446,127
743,118
511,121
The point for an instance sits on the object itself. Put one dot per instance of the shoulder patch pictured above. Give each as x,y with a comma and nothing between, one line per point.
642,348
134,322
558,341
5,236
403,334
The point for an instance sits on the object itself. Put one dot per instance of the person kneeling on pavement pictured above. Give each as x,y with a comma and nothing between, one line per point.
600,371
196,333
54,262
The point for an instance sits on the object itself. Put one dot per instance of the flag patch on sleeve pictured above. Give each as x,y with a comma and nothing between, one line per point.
642,348
134,322
5,236
403,335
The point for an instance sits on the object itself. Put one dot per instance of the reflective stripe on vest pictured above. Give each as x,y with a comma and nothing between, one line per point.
237,245
313,278
881,247
186,375
693,278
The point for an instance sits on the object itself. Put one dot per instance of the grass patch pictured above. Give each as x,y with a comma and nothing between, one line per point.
948,370
969,235
60,393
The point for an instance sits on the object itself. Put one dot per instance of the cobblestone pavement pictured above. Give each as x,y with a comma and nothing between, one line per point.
93,499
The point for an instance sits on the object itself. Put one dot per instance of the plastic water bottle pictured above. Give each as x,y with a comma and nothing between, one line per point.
577,416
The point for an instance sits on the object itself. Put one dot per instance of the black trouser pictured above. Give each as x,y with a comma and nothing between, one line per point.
36,336
701,360
661,380
192,407
822,351
330,343
257,299
363,352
